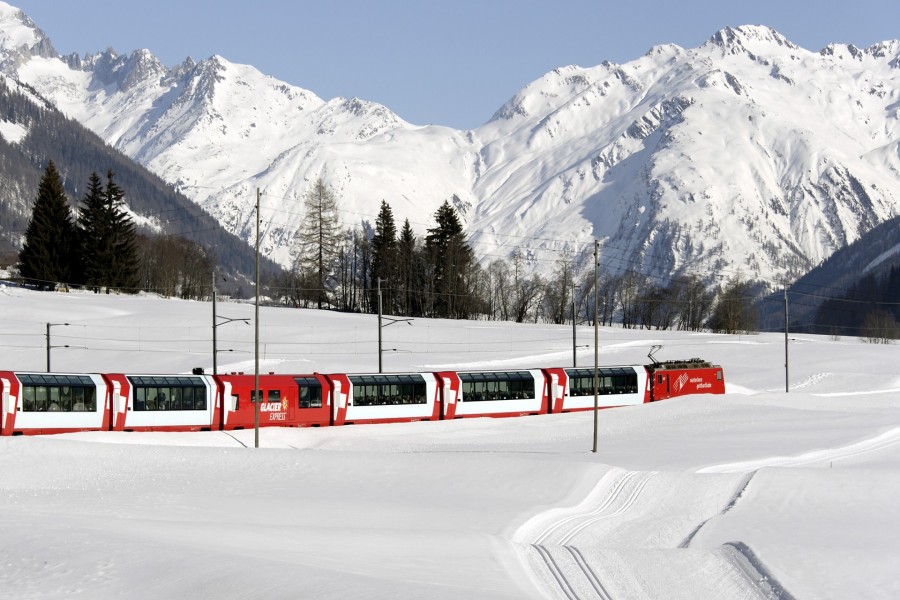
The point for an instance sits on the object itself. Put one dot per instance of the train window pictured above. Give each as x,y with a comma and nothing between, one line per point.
169,393
58,393
378,390
310,392
609,381
718,375
508,385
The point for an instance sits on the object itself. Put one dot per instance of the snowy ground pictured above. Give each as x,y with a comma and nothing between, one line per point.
755,494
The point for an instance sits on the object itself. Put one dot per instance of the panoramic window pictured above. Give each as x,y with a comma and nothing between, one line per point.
504,385
379,390
58,393
168,393
619,380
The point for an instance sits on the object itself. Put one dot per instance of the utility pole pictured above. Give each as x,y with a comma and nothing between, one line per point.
215,366
379,324
787,381
256,393
574,334
49,325
596,338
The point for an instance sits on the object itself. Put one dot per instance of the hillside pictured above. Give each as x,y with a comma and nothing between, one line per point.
42,133
747,154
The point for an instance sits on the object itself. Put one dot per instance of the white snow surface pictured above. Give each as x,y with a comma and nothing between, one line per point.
747,153
757,493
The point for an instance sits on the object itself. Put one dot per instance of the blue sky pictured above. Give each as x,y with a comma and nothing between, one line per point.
436,61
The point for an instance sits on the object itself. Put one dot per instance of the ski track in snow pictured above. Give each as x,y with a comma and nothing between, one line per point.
589,551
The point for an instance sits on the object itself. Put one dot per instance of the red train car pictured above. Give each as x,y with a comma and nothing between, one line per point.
35,403
286,400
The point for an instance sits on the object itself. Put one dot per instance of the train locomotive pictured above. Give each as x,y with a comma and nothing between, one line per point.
45,403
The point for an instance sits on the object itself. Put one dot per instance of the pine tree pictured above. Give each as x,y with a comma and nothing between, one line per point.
93,229
124,265
408,259
108,237
49,253
384,256
451,260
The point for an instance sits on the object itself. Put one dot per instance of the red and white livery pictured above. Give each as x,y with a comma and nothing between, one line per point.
37,403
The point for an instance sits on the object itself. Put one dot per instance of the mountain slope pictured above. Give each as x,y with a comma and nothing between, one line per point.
746,154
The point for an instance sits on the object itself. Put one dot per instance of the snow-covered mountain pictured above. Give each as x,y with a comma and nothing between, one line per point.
746,154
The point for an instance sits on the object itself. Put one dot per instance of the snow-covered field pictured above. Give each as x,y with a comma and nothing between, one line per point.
755,494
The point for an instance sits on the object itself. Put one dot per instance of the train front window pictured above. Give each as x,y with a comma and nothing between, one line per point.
309,392
58,393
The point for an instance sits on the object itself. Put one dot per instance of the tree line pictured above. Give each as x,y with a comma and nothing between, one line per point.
96,245
365,268
362,269
870,309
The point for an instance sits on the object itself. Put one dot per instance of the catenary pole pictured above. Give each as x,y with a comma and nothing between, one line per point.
787,380
596,339
379,324
215,366
256,393
574,333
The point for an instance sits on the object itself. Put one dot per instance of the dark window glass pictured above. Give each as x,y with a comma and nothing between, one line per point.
503,385
58,393
388,390
309,392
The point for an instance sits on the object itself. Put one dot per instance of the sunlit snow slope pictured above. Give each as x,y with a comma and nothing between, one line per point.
746,153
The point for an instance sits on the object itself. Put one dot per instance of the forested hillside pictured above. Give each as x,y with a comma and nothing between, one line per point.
50,135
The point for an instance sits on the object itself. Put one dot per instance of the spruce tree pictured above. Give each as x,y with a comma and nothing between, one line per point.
407,271
384,257
108,237
124,265
50,249
451,260
93,228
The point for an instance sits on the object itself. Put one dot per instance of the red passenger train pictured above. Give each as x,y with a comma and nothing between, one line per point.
37,403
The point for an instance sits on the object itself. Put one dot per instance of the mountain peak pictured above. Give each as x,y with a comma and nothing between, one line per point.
20,39
752,39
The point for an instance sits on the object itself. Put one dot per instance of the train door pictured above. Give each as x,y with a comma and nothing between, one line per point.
660,386
557,385
313,400
9,392
448,392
